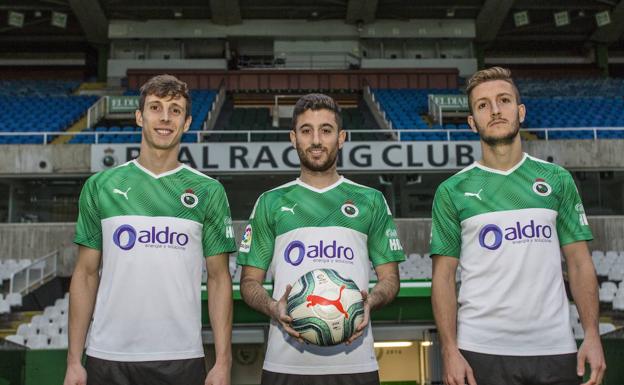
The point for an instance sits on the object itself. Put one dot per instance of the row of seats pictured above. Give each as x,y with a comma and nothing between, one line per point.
12,300
39,88
47,330
405,109
202,101
571,87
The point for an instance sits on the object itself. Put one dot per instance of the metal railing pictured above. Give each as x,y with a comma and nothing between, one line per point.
96,112
397,135
31,276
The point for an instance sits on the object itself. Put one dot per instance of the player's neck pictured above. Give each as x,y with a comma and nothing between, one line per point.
319,179
158,161
502,157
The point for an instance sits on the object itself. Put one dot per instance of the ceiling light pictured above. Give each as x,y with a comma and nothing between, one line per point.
521,18
603,18
562,18
59,19
177,14
393,344
15,19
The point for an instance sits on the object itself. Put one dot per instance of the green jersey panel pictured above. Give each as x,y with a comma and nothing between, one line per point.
88,225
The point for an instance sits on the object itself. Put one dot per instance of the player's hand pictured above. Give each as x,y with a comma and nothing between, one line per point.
75,375
218,375
457,371
279,313
591,352
359,330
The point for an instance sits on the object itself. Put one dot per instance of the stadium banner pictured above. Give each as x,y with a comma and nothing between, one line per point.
122,104
281,156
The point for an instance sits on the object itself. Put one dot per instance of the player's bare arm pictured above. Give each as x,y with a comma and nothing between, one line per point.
444,303
256,296
384,292
82,292
219,285
584,287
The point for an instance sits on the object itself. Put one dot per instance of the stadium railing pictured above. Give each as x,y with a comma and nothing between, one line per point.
35,274
442,134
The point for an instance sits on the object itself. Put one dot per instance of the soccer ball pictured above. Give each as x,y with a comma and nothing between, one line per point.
325,307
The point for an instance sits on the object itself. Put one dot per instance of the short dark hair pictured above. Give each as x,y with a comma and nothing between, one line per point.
163,86
489,74
316,102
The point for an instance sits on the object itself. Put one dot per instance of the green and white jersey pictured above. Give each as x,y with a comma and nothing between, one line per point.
153,232
297,228
507,228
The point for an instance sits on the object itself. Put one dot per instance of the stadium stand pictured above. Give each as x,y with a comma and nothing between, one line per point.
551,104
112,131
47,330
35,106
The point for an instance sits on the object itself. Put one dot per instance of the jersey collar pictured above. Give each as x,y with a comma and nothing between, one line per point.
320,190
157,176
500,172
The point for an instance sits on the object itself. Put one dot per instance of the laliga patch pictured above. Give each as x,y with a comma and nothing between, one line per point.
245,245
189,199
540,187
349,209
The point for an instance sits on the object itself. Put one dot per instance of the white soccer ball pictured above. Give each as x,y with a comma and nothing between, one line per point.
325,307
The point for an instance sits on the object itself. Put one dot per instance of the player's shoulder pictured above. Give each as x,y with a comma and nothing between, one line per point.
455,181
273,196
198,175
108,174
546,166
357,188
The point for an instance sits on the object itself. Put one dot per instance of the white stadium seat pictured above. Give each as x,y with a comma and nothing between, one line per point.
605,328
16,339
5,308
607,291
14,299
26,330
58,341
38,341
618,302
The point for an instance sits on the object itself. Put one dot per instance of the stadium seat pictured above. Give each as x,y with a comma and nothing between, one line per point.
58,341
5,308
14,299
607,292
16,339
38,341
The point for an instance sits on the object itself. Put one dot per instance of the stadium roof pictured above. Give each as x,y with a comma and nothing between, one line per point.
87,20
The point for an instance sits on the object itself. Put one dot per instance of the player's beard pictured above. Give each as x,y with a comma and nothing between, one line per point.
316,167
506,139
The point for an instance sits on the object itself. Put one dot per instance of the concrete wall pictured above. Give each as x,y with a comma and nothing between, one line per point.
75,159
31,240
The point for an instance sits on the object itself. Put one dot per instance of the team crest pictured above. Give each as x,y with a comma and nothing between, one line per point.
349,209
540,187
189,199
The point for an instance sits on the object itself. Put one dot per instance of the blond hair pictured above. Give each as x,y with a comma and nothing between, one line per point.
487,75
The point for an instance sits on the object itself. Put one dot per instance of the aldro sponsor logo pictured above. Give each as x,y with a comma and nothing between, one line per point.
126,238
491,236
323,251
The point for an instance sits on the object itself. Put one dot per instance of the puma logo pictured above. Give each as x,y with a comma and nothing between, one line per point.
124,193
469,194
314,300
291,209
